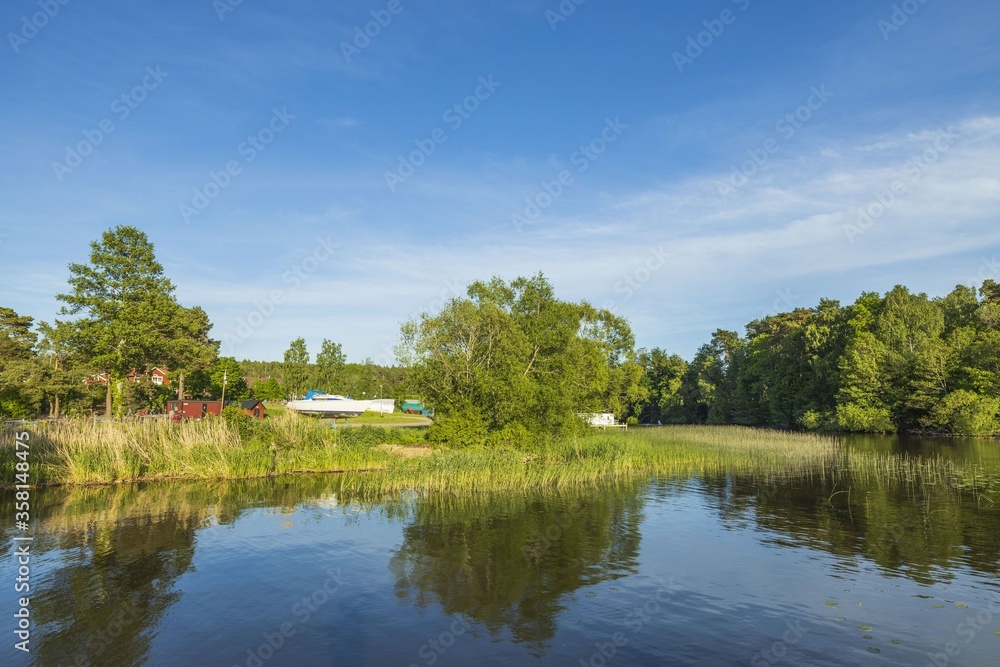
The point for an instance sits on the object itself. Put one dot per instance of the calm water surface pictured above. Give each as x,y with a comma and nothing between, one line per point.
702,571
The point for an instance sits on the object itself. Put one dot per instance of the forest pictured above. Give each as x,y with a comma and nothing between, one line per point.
898,362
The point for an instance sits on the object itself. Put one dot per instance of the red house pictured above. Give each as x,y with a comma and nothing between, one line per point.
191,409
194,409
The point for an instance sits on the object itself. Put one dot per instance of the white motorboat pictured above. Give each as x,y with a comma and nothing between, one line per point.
320,404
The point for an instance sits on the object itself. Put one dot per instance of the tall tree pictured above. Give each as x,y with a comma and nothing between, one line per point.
128,316
296,368
19,368
330,366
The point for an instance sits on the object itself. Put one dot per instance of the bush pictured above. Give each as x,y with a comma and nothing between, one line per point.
965,413
811,421
858,418
244,425
463,429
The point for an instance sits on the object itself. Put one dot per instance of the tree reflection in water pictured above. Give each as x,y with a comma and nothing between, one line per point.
509,562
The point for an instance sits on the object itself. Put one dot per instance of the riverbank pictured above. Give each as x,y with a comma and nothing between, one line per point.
84,453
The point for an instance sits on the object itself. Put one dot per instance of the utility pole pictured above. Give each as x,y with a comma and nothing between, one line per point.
224,378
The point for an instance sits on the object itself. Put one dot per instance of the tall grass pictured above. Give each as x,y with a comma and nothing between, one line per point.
85,453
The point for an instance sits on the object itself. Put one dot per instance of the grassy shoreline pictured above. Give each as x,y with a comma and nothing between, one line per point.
400,459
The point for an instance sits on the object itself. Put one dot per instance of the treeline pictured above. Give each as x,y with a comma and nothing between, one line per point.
899,362
509,359
330,372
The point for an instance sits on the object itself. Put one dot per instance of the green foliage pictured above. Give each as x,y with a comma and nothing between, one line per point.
857,418
20,394
245,426
128,318
143,395
459,428
882,364
662,379
513,354
329,366
965,412
229,370
268,390
296,368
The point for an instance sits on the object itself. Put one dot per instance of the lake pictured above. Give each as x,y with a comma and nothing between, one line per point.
317,570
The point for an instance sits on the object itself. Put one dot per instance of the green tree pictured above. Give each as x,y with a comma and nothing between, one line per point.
20,394
268,390
64,371
663,377
296,367
330,366
128,316
510,360
229,370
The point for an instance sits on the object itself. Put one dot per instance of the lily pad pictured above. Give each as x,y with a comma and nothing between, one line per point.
830,603
997,633
872,649
840,618
867,637
937,606
866,628
961,606
895,641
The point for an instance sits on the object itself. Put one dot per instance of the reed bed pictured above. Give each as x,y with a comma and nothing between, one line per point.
102,453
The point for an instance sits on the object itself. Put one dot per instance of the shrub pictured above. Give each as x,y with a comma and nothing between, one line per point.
864,419
965,413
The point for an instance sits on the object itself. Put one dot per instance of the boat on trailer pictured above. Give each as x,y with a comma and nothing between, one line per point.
320,404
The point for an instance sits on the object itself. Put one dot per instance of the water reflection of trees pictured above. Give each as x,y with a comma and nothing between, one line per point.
923,534
119,552
508,562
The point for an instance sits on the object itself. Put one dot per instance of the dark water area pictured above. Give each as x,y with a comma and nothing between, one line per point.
699,571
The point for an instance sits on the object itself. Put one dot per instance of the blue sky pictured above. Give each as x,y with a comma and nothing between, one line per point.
690,165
